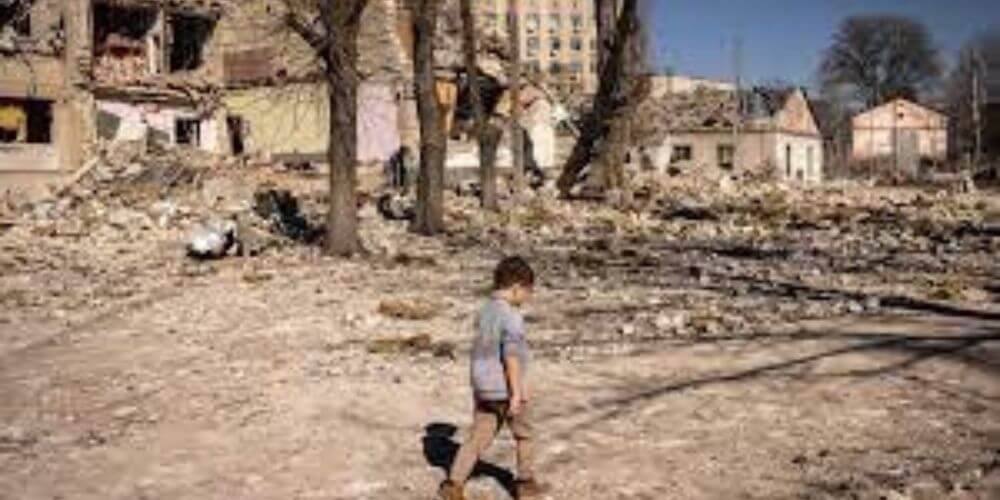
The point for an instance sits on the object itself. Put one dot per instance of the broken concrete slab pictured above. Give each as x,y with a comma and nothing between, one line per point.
212,240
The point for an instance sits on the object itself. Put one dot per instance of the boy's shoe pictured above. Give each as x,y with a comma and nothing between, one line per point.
451,491
529,488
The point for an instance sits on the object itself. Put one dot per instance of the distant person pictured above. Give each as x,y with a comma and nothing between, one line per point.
501,395
399,169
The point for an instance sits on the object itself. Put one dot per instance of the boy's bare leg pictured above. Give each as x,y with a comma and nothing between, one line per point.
484,428
523,430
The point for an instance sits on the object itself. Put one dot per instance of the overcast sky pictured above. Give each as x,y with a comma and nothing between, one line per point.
783,39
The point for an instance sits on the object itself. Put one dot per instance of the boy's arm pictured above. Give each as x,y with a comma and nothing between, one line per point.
514,383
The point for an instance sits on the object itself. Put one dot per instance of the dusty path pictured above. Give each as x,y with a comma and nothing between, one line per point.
264,389
773,344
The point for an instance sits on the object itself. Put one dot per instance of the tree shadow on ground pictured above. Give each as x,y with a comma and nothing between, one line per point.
440,450
916,349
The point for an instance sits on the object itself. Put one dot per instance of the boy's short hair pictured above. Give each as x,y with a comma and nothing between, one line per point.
513,271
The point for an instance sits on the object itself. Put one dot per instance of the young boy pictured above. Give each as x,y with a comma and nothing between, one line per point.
499,360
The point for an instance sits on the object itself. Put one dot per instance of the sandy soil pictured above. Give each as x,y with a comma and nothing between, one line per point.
812,345
240,386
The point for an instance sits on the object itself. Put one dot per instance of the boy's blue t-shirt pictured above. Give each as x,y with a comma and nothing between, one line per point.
499,333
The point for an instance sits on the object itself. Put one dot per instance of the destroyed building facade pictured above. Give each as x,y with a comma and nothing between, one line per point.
763,132
80,74
276,101
41,115
154,73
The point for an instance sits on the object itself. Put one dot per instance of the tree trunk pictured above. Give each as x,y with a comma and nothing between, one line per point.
613,92
603,169
429,218
342,86
487,146
516,137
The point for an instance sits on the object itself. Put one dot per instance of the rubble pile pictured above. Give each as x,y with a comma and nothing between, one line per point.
703,109
130,217
684,256
700,257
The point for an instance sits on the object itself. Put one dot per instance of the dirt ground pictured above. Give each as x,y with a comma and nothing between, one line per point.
141,376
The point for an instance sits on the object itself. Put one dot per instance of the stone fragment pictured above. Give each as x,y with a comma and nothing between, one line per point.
409,309
212,240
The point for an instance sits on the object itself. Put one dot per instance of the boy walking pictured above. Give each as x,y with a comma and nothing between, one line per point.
499,361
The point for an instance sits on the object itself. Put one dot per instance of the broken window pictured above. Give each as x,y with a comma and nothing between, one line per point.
17,17
727,155
126,42
25,121
237,134
532,44
531,23
682,153
189,36
187,132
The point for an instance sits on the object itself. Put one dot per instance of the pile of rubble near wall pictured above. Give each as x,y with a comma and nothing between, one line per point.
701,109
123,231
127,194
688,255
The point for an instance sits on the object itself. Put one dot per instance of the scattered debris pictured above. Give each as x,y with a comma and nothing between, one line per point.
213,240
396,207
413,345
282,209
409,309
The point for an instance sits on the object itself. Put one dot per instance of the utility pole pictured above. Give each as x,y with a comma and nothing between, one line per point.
976,110
516,138
738,80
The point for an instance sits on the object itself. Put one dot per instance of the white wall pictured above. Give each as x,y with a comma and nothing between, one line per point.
805,162
757,151
136,120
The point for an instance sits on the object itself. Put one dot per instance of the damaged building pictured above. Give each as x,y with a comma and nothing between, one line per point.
276,102
152,73
79,74
762,132
40,115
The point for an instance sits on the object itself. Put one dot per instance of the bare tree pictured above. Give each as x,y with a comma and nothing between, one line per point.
429,218
833,110
487,134
971,85
881,57
619,89
516,133
330,27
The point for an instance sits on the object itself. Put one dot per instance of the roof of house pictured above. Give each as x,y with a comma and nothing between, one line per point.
900,101
765,102
707,110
